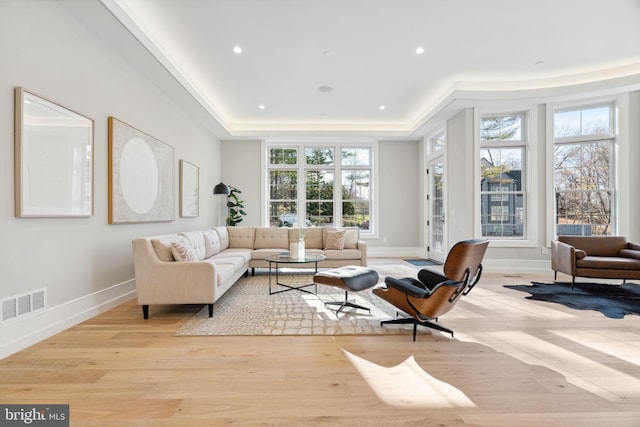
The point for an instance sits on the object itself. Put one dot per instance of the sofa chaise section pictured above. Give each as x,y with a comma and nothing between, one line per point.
198,267
161,279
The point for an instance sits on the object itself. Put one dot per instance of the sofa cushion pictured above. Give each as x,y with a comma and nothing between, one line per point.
271,238
162,246
608,263
596,245
335,240
241,237
237,261
580,254
629,253
223,235
211,243
183,251
343,254
245,254
196,240
225,271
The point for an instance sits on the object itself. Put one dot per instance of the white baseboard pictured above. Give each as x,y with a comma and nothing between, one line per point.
18,334
517,266
395,252
506,266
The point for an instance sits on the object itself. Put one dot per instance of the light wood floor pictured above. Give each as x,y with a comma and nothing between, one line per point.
520,363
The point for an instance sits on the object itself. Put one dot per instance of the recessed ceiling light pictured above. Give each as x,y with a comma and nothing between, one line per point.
237,49
328,53
419,50
382,107
325,88
261,106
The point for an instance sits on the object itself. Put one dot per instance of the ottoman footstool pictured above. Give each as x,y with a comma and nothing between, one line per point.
350,278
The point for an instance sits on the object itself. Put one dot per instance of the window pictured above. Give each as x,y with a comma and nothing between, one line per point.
583,170
335,188
283,186
502,158
319,184
356,185
436,143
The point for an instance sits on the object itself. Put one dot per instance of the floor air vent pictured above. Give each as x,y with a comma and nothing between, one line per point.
19,305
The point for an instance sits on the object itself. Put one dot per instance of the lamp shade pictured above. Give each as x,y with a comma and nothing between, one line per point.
221,189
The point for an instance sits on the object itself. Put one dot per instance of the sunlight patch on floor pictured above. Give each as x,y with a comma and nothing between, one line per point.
499,303
625,346
407,385
579,370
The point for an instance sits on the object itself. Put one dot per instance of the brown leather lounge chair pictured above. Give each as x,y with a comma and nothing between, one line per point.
434,294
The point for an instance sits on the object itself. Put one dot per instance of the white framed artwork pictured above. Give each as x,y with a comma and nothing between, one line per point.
141,176
189,190
53,159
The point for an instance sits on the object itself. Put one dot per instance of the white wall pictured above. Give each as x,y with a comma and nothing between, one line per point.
459,170
399,198
241,168
85,264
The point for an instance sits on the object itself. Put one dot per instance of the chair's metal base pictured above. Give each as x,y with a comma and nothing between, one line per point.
346,303
416,322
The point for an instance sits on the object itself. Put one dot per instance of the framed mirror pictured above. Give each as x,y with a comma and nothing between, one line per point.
189,190
53,159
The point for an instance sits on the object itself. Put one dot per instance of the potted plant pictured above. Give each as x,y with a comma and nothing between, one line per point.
235,207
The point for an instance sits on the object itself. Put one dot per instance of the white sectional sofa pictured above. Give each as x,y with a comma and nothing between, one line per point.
198,267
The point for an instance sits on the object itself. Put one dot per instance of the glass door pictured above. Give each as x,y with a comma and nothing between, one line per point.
436,244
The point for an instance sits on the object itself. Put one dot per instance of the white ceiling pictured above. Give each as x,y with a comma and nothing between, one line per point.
365,51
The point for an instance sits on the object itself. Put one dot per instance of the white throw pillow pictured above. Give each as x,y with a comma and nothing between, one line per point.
351,237
183,251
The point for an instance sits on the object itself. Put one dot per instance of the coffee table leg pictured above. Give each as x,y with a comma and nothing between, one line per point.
270,278
289,287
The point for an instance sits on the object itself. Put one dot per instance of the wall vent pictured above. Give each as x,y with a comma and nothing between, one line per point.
23,304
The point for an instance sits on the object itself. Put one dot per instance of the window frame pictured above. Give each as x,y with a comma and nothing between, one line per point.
489,194
336,168
610,137
530,173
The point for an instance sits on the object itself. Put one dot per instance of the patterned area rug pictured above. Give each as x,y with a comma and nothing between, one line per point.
248,309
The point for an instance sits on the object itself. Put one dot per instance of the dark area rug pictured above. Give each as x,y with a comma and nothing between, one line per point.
422,262
614,301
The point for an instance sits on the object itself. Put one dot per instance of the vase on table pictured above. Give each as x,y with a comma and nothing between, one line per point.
293,250
300,249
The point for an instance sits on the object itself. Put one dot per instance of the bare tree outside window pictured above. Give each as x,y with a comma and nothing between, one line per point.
583,171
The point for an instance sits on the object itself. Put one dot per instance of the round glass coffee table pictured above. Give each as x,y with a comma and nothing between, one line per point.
277,261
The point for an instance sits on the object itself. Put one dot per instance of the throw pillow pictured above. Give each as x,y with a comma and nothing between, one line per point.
335,240
351,237
163,247
183,251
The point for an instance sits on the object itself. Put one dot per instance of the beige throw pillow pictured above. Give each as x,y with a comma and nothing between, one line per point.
183,251
162,247
335,240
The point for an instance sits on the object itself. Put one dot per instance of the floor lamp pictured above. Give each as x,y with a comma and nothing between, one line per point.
221,189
